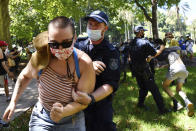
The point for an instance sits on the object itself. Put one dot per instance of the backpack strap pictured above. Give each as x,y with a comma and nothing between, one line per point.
76,63
40,72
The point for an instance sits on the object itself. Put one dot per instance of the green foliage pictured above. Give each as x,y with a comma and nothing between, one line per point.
168,23
30,17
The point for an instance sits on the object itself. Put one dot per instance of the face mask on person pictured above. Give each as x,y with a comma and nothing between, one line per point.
94,35
142,35
62,54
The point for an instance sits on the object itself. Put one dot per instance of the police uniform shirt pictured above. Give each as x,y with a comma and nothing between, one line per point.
139,50
106,53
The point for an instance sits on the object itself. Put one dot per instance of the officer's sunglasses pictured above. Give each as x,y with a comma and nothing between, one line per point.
64,44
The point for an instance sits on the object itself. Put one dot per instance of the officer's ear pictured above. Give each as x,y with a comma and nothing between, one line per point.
105,28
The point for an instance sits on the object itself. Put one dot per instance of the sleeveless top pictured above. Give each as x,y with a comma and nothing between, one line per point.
53,87
2,70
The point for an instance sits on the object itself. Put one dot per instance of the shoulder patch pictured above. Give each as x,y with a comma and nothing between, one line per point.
113,64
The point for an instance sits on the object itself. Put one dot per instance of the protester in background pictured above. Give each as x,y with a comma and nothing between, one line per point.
189,46
29,50
4,70
60,68
173,41
167,39
15,55
182,44
177,71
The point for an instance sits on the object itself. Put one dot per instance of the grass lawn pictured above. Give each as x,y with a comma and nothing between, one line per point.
130,118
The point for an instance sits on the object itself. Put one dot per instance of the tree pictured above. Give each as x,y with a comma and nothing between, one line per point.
149,9
29,17
184,7
192,29
4,21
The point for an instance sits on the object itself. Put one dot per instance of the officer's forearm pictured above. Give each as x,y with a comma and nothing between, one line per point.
102,92
73,108
162,47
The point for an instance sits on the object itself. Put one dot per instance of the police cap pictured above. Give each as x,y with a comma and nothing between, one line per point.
99,16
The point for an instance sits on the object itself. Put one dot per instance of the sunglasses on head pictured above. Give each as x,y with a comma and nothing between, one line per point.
64,44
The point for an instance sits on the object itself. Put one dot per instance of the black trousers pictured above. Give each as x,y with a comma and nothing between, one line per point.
146,85
98,117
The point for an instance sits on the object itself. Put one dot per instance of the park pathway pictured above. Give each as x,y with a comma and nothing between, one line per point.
27,100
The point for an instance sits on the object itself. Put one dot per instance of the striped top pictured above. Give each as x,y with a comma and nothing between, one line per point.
53,87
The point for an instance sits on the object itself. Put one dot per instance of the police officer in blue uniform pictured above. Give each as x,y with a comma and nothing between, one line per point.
106,63
139,51
125,54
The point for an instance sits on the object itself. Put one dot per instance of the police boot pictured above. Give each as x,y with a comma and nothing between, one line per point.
164,111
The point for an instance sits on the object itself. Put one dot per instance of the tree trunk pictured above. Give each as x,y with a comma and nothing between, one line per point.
80,26
154,20
125,31
194,34
4,21
128,36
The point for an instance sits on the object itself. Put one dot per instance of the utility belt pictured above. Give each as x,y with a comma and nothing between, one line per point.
142,71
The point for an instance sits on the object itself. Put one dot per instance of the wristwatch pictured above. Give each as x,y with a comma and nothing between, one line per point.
92,99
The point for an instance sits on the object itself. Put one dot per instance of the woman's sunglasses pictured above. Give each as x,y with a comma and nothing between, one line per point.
55,45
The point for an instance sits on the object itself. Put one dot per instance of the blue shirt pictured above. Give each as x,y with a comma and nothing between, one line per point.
182,44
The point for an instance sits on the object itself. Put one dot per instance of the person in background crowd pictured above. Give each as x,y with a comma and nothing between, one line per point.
124,50
167,39
4,70
106,62
29,50
173,41
189,46
60,68
182,45
15,55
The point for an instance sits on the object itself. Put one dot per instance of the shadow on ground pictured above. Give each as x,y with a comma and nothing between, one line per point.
128,117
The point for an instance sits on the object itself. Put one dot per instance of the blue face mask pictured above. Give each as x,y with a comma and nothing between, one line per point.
94,35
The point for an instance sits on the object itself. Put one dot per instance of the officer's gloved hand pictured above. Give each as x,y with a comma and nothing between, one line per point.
98,67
